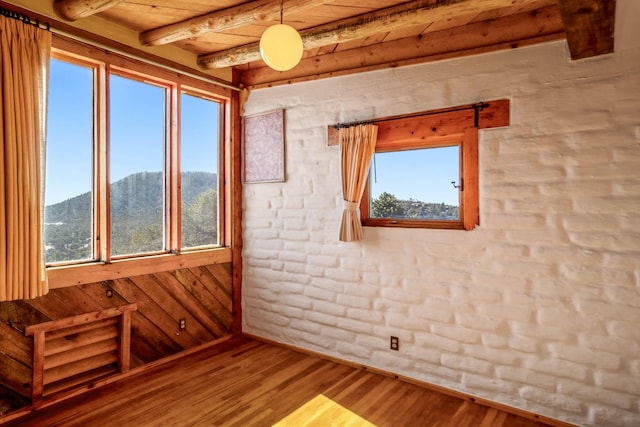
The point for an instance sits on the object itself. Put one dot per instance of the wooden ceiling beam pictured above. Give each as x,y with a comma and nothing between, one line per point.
384,20
590,26
509,32
72,10
225,19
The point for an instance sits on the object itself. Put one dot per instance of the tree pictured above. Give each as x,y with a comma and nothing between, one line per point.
147,239
386,206
136,212
200,220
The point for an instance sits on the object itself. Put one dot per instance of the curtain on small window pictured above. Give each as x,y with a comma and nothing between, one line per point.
24,65
357,145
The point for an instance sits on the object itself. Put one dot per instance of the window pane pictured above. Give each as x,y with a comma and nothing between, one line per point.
199,142
416,184
68,195
137,136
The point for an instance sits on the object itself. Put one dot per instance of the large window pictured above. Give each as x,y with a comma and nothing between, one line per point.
132,162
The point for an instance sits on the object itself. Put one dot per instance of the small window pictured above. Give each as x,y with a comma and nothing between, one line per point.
425,168
423,181
416,185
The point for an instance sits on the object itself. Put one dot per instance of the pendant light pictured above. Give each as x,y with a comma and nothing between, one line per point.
281,46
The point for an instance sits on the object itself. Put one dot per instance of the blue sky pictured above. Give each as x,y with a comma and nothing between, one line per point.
137,134
69,134
423,175
136,131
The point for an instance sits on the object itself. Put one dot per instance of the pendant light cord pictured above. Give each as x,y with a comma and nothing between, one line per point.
281,8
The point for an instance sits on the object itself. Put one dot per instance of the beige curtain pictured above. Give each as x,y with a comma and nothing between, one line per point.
357,145
24,65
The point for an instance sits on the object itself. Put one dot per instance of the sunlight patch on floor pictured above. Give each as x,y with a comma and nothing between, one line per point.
322,411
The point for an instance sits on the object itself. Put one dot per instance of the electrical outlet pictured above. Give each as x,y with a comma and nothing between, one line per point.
182,324
394,343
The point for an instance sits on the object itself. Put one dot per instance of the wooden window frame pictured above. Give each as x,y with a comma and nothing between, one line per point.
170,145
468,179
223,231
438,128
103,267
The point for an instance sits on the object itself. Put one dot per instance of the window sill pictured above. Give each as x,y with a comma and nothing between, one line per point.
80,274
400,223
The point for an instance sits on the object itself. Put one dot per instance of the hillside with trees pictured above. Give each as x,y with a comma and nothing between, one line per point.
389,206
136,216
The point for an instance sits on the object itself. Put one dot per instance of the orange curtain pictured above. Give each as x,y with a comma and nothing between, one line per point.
357,145
24,68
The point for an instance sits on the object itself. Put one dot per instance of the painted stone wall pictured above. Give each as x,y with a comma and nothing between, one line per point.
539,307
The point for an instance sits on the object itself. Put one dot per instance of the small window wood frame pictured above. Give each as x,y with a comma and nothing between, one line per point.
438,128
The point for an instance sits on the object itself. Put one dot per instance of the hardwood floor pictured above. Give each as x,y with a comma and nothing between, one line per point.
244,382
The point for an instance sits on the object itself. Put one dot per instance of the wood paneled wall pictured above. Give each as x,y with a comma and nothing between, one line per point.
202,296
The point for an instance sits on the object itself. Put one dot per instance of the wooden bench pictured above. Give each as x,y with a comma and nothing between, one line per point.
74,351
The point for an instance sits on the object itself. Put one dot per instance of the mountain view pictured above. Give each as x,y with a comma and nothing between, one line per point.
136,217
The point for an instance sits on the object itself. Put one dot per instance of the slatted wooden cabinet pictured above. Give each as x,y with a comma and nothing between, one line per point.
74,351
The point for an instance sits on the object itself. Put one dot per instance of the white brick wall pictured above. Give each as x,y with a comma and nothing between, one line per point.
539,307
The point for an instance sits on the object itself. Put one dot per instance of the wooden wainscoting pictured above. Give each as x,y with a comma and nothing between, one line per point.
248,382
200,297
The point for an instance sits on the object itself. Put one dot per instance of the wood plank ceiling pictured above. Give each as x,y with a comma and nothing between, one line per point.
345,36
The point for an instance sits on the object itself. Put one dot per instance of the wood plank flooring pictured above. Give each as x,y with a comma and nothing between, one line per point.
245,382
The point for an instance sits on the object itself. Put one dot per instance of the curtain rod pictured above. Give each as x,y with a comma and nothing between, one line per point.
8,13
477,107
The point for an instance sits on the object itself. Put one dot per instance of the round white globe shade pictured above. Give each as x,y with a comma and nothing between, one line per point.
281,47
